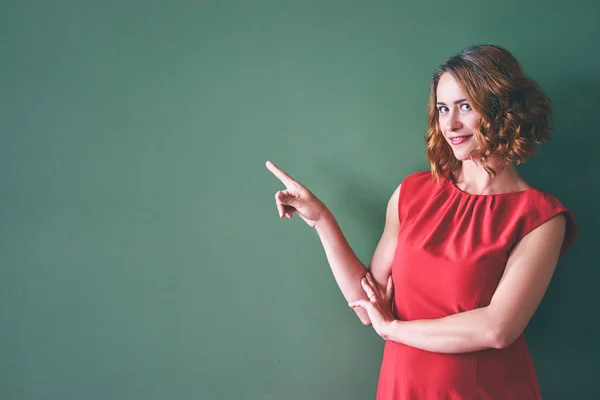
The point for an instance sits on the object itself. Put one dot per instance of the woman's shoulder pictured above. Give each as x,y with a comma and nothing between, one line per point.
538,199
538,207
418,177
415,189
422,182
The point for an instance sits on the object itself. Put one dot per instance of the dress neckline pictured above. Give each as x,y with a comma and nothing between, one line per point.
455,188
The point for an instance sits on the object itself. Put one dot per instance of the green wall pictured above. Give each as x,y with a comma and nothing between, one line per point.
141,256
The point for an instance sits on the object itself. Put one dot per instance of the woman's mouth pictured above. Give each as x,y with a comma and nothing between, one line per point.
456,140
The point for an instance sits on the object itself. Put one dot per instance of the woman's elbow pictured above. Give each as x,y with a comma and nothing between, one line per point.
363,316
502,338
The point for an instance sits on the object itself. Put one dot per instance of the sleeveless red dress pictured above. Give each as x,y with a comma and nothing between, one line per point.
452,251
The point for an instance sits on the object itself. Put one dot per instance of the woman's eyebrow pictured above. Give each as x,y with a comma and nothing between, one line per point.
456,102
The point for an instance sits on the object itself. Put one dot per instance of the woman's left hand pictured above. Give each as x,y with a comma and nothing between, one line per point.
378,307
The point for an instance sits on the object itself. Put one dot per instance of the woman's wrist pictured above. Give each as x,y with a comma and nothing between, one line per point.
325,219
391,327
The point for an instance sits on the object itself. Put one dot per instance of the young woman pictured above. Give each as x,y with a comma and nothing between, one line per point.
468,248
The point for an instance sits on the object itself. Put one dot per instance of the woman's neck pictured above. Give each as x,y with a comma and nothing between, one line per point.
473,178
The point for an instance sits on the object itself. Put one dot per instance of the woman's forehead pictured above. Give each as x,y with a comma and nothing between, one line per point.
448,88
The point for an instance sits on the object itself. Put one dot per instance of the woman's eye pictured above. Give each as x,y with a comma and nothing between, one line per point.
442,109
465,107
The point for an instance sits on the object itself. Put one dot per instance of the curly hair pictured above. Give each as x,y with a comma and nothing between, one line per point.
515,112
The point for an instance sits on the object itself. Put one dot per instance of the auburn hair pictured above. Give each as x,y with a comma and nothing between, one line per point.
515,112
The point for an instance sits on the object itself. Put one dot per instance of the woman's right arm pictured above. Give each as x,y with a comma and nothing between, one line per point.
347,269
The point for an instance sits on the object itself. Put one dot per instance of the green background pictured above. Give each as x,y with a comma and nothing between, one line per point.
141,256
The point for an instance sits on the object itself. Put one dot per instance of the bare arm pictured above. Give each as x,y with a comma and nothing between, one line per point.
347,269
521,289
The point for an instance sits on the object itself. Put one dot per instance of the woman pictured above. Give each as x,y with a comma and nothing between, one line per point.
468,248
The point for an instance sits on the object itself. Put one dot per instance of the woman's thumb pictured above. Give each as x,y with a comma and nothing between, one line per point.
286,198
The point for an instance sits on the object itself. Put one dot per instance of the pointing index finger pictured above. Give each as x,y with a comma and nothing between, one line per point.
282,176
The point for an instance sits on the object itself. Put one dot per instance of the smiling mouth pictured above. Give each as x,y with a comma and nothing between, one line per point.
459,139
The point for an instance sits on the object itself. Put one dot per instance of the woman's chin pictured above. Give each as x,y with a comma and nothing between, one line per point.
465,154
461,156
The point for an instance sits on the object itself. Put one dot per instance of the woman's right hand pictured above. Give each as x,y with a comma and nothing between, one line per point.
296,198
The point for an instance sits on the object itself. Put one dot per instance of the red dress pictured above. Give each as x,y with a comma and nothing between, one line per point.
452,251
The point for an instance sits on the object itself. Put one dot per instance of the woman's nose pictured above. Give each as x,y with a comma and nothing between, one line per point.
453,122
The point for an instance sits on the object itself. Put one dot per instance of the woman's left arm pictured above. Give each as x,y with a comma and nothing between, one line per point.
521,289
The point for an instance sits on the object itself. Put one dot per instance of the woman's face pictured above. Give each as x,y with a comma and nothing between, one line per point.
457,118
